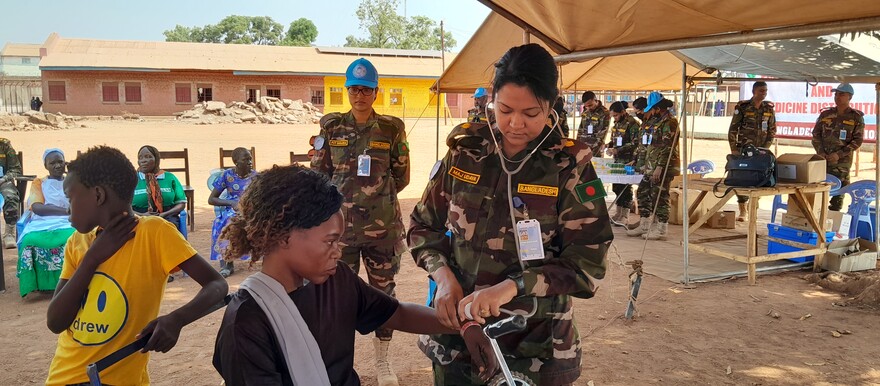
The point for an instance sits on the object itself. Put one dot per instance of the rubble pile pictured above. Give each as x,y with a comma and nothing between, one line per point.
38,121
266,110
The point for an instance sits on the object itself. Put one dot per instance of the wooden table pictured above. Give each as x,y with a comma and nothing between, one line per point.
798,191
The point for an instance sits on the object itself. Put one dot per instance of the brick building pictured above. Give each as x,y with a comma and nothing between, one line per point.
103,77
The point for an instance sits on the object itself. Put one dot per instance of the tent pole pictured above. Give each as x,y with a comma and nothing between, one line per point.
686,220
876,168
526,37
738,37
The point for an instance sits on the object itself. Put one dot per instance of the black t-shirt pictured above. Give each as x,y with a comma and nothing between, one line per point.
248,353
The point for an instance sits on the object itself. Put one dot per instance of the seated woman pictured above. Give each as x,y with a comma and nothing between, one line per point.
158,193
41,243
234,181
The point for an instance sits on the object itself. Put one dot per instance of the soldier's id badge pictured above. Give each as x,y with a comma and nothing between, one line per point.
363,165
843,135
619,141
644,139
764,125
531,246
590,129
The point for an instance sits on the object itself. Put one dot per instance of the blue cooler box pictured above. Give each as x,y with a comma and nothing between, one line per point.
796,235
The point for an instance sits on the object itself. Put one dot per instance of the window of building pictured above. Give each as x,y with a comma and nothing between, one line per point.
133,92
317,97
57,91
273,91
205,92
182,93
335,95
253,94
380,97
25,60
110,91
396,96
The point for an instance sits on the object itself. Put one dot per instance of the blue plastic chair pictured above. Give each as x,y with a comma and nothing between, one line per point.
778,204
862,194
702,167
213,176
184,219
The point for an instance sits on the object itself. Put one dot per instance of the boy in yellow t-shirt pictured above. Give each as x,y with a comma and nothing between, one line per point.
114,276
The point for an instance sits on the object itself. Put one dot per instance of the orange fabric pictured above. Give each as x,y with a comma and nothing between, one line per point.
154,194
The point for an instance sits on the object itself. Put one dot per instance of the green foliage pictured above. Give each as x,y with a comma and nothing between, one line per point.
235,29
301,32
387,29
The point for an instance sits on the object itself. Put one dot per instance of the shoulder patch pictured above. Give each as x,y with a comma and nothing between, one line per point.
770,104
590,191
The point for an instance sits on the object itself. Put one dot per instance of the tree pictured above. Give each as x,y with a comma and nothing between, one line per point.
233,29
387,29
422,33
301,32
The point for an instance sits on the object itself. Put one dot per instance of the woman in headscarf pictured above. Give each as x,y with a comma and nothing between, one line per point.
47,228
158,193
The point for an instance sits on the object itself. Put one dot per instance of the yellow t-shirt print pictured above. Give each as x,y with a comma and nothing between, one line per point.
103,312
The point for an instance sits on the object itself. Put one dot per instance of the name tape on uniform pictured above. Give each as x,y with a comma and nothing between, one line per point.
541,190
462,175
380,145
339,142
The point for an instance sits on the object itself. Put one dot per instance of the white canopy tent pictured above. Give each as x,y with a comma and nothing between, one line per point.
634,45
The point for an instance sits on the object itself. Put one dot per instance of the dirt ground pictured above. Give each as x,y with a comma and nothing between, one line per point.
723,332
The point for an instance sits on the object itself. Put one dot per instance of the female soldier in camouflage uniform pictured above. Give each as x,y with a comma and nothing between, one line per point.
624,141
484,184
661,165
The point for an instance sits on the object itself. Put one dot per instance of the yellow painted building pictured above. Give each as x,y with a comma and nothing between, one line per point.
400,97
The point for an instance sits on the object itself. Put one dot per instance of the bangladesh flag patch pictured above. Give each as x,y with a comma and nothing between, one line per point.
403,148
590,191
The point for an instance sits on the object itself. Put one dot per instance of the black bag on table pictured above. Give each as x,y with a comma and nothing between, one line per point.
753,168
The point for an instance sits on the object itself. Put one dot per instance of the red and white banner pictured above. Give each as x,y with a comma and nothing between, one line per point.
798,106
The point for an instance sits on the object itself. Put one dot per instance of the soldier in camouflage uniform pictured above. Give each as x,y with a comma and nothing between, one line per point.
559,107
838,133
468,196
753,123
479,113
661,165
594,123
367,157
11,168
623,144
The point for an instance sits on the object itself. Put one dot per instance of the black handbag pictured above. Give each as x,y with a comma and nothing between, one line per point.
753,168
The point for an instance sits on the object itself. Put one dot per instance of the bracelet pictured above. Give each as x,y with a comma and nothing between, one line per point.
466,326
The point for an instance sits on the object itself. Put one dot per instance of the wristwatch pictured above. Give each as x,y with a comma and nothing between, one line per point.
517,278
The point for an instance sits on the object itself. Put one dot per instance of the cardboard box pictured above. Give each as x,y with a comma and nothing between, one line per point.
675,204
723,220
839,258
814,199
841,223
800,168
797,222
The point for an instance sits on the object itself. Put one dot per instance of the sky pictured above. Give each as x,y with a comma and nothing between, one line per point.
33,21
